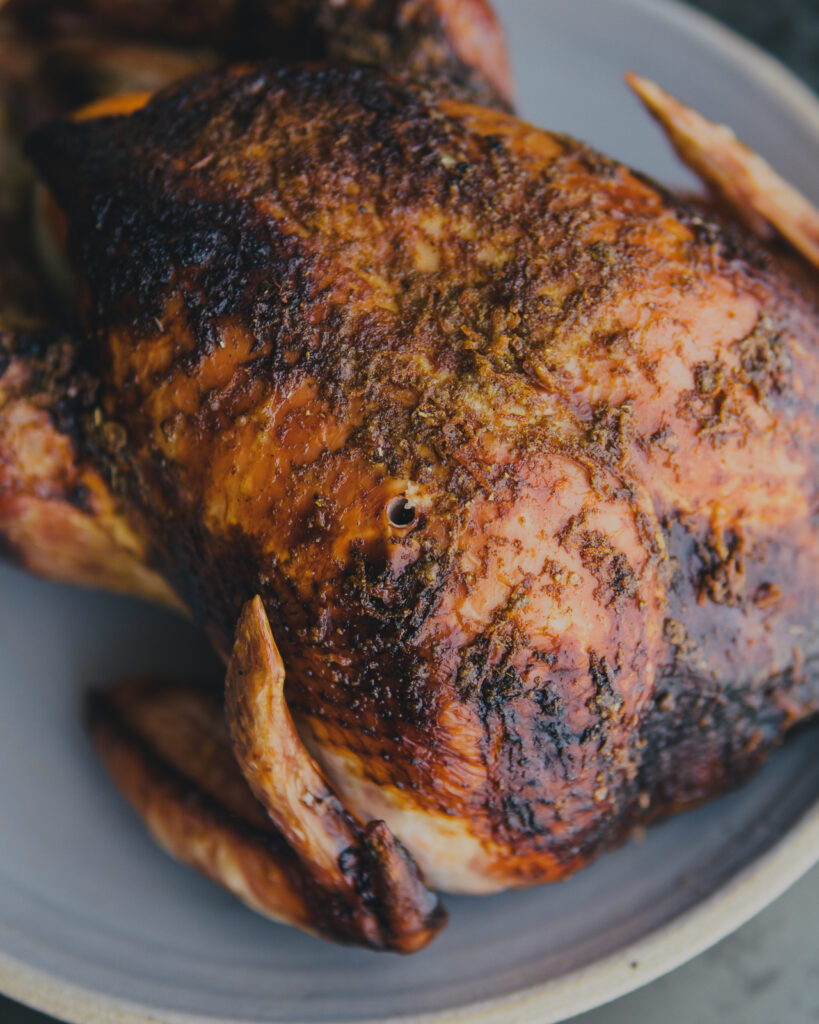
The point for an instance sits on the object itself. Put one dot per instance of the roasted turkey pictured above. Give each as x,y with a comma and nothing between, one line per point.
489,466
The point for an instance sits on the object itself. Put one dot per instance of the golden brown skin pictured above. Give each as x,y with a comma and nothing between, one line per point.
57,516
62,516
316,292
166,746
346,857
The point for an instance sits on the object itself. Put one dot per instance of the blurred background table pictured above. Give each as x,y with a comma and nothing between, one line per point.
768,972
789,29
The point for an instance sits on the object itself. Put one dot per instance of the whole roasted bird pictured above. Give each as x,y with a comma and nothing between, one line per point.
489,465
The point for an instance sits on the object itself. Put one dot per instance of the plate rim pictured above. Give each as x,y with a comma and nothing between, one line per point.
777,77
662,950
752,889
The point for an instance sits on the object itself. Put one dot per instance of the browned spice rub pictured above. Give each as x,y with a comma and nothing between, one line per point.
314,291
518,451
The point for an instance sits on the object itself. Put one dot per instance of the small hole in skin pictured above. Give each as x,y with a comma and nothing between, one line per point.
400,513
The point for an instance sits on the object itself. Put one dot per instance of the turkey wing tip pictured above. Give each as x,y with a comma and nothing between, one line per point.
738,175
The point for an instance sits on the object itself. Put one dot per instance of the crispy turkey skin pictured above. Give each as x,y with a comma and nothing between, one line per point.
518,450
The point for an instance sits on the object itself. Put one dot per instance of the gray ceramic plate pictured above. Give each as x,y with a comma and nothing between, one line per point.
96,924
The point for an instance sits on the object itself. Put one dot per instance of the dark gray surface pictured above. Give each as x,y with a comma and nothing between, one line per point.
787,28
767,972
